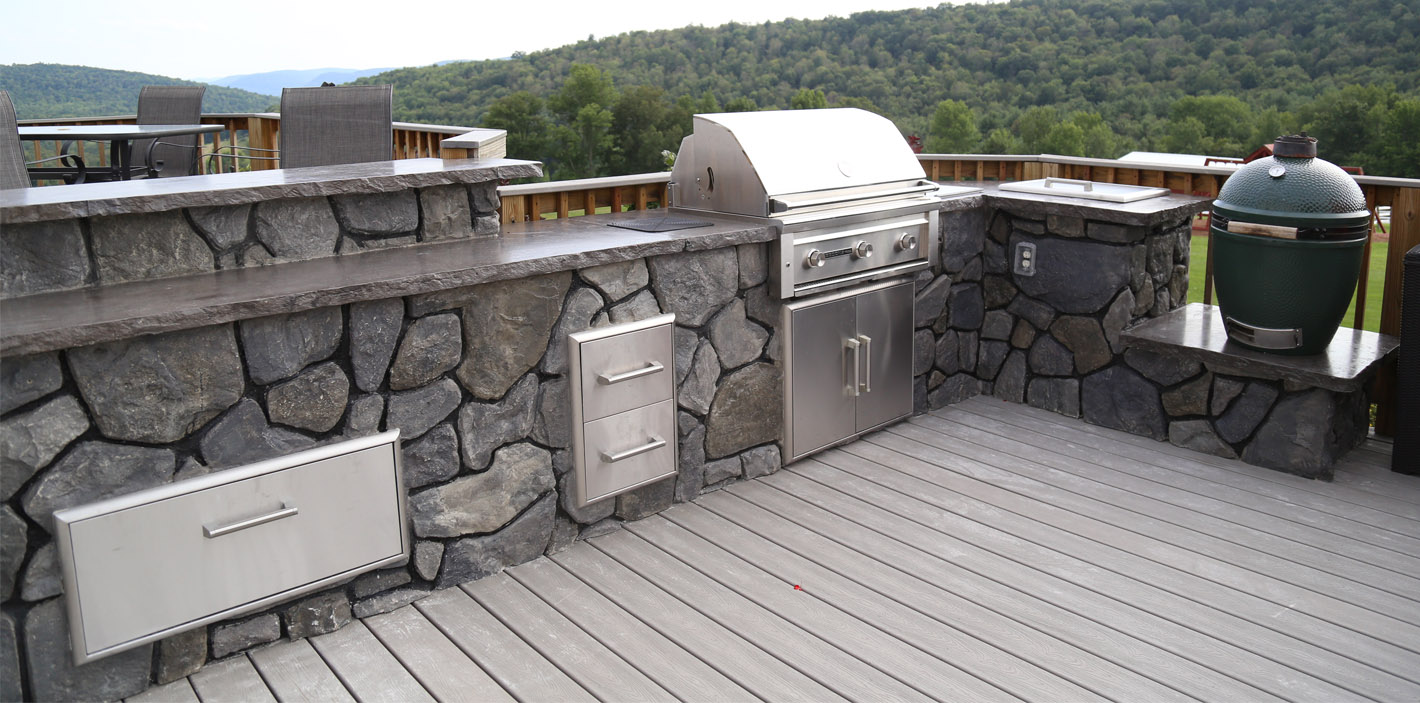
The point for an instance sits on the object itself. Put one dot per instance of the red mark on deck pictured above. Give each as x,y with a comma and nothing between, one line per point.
797,587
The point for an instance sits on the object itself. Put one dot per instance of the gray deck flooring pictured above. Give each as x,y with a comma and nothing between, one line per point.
987,551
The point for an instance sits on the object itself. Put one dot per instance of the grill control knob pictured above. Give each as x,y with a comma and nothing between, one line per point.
906,242
862,250
815,259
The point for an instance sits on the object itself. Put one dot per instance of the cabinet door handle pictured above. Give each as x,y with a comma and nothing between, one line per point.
650,368
853,346
651,446
867,362
215,532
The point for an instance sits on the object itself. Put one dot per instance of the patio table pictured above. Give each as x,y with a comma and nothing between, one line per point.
120,138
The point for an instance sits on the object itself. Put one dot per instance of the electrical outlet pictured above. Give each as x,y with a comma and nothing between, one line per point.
1026,262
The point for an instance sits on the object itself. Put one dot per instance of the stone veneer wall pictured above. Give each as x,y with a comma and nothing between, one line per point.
475,378
1051,340
74,253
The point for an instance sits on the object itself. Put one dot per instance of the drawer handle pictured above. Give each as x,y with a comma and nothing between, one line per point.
653,445
650,368
215,532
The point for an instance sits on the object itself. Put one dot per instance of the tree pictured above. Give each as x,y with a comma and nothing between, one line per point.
640,122
1002,141
1065,139
953,129
861,104
1399,154
1097,139
583,139
1270,124
1033,126
807,99
521,114
741,104
1185,136
1226,124
1347,123
585,85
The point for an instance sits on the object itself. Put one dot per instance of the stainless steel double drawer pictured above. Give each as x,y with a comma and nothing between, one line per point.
623,406
153,563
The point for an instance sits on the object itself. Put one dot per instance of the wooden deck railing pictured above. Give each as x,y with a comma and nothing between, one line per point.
556,199
262,129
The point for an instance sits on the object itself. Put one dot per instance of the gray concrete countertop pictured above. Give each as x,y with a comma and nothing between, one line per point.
1143,213
1196,332
160,194
90,315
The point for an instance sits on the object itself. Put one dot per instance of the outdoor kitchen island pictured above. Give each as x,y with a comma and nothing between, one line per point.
460,344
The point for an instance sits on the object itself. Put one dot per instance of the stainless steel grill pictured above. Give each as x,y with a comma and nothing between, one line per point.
842,187
852,206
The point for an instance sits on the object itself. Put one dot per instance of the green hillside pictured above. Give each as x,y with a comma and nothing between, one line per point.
44,90
1093,77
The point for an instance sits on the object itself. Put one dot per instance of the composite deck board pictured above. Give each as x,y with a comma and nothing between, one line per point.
514,664
1259,496
1208,470
591,664
436,662
1251,537
1304,616
1146,584
760,672
917,580
986,551
837,669
1112,601
230,680
179,691
369,671
1176,549
678,671
865,625
1169,527
866,587
295,672
1336,494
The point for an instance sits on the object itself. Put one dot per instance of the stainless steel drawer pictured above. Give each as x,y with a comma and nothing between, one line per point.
627,369
626,450
149,564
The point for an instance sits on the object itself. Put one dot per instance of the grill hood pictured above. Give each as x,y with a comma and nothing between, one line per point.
763,164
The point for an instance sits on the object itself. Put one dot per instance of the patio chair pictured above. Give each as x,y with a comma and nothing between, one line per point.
13,173
329,125
170,156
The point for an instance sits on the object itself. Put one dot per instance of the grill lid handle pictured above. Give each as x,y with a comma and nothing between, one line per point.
787,204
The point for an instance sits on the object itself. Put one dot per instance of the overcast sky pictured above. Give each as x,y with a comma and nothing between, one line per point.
201,39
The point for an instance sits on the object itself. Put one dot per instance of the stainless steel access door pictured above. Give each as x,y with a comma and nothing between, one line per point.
885,335
849,364
821,367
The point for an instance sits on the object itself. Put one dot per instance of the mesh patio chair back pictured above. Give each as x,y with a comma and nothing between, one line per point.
336,125
170,104
12,155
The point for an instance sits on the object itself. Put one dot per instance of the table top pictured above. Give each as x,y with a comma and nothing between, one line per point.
114,131
1196,332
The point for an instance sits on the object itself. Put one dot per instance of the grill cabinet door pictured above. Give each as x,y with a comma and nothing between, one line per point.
884,322
822,374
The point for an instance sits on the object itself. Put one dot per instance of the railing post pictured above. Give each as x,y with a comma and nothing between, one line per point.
261,134
1404,235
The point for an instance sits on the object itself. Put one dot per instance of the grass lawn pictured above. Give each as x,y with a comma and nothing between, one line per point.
1375,285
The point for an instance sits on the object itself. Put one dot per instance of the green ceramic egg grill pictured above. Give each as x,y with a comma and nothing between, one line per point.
1288,235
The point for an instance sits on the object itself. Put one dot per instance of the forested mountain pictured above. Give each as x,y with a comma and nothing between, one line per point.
271,82
1088,77
42,90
